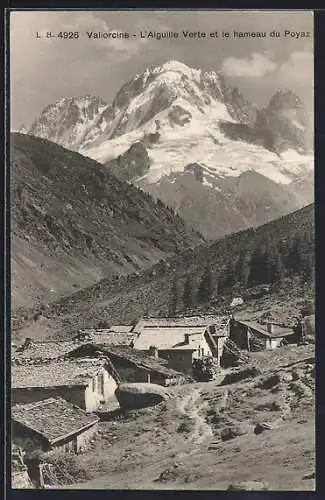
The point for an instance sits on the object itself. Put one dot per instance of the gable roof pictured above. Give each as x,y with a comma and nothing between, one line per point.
169,337
72,372
278,331
53,418
45,350
119,335
185,321
134,357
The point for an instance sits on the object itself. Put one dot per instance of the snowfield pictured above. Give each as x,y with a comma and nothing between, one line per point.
184,108
201,141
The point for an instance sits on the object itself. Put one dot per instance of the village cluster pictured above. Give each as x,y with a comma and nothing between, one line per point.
62,389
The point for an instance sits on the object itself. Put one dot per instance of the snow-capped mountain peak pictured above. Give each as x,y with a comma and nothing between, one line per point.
69,120
171,117
22,129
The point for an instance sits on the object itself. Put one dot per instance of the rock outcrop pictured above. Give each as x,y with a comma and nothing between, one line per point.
141,395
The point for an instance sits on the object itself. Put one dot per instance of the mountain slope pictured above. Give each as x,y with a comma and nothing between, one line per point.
279,254
170,117
74,223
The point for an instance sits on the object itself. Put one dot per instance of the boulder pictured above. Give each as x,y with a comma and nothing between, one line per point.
241,374
264,426
233,431
249,486
269,381
141,395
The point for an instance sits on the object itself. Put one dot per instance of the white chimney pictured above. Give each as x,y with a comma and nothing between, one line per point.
153,351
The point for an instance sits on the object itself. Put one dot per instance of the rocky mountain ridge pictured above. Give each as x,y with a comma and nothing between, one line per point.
170,117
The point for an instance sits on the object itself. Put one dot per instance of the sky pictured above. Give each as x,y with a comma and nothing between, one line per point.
44,70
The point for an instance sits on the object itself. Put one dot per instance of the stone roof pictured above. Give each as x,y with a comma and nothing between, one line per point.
278,331
119,335
140,359
74,372
44,350
185,321
53,418
169,337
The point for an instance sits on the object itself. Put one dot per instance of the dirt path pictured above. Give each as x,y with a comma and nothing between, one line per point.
190,406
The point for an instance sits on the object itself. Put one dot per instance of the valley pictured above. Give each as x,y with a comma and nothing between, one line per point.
73,224
163,287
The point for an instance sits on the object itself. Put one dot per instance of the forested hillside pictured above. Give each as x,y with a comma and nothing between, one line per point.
279,254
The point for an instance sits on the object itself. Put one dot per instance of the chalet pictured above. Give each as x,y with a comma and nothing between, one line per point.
181,340
87,383
269,335
132,365
50,424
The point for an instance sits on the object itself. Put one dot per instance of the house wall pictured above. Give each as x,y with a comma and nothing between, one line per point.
269,343
27,439
266,342
220,343
84,397
204,349
131,373
238,334
274,343
160,379
77,442
83,439
99,390
179,360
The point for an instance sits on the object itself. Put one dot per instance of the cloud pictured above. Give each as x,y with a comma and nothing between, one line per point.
25,25
256,66
299,66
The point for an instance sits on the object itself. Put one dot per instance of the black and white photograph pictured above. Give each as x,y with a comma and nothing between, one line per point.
162,250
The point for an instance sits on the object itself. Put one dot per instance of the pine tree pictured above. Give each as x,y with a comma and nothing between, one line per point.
242,268
207,286
258,267
274,265
188,295
173,299
294,257
227,277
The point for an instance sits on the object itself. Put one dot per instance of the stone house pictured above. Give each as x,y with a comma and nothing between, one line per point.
51,424
87,383
182,340
132,365
269,335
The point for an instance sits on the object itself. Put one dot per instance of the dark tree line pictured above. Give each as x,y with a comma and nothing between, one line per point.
267,262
